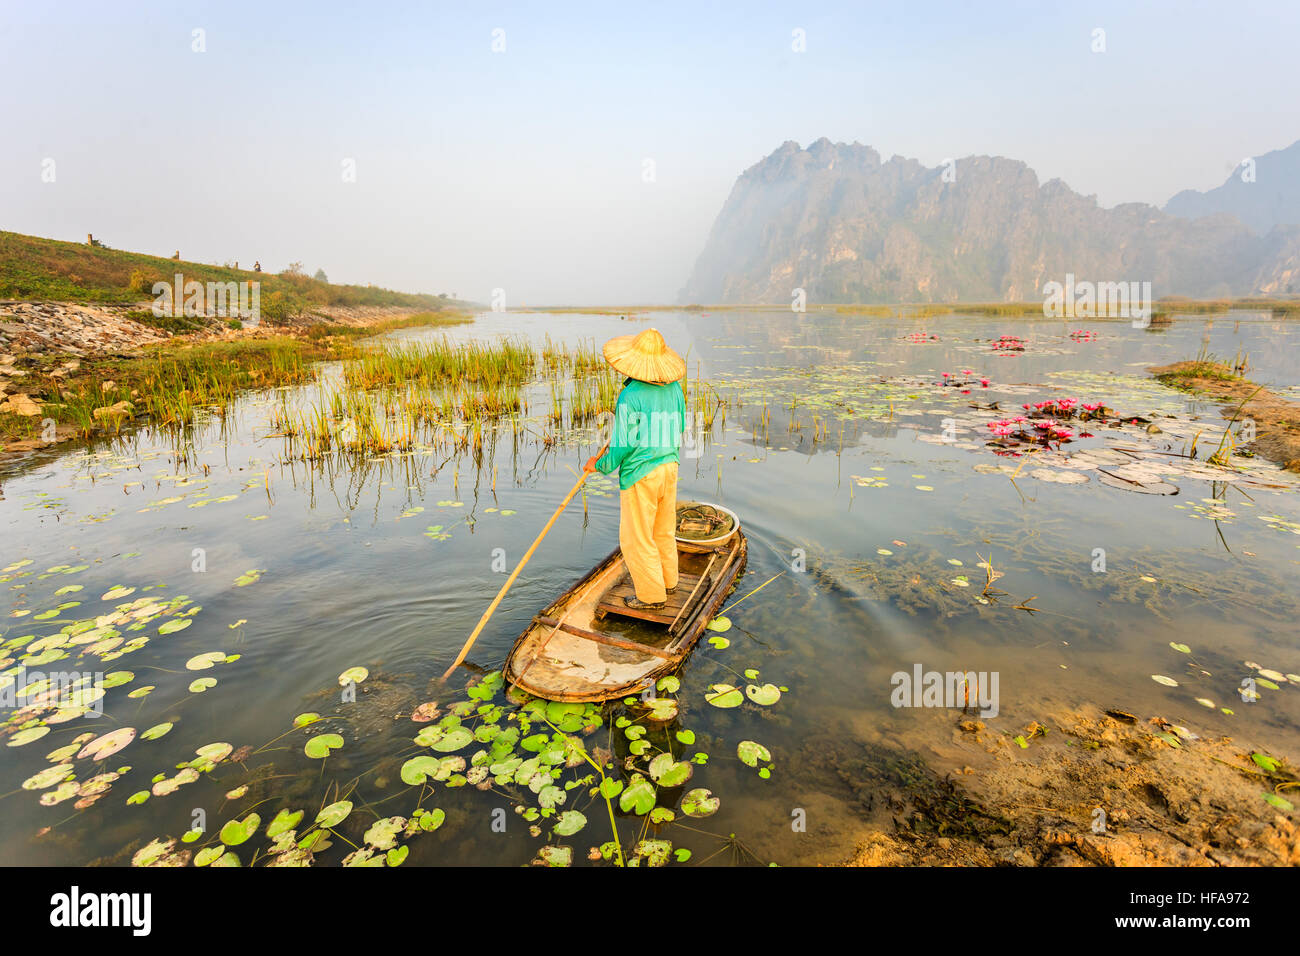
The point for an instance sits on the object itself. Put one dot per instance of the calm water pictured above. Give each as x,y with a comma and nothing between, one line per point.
349,577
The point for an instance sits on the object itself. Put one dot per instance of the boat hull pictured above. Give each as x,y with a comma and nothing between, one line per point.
586,646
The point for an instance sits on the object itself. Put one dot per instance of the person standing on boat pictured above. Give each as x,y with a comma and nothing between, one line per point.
645,447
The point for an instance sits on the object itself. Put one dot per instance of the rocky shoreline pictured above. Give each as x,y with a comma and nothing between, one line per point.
51,346
1276,420
1088,788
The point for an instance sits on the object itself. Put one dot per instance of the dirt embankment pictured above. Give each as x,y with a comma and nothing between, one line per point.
50,350
1276,420
86,331
1086,790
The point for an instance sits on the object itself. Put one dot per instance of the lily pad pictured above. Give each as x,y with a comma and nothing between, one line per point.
321,745
724,695
334,814
105,746
27,736
556,855
236,832
353,675
201,662
751,753
654,852
668,772
283,822
638,797
569,822
766,694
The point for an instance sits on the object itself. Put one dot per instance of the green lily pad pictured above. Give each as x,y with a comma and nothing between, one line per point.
321,745
283,822
201,662
334,814
27,736
383,834
569,822
353,675
236,832
418,770
209,854
752,753
724,695
1280,802
654,852
639,796
766,695
456,739
1265,761
668,772
556,855
47,777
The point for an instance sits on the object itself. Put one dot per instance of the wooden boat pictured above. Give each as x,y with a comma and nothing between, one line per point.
589,646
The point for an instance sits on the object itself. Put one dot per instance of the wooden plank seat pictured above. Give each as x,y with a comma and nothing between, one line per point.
611,602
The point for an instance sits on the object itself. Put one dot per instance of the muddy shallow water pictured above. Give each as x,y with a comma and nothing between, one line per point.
865,486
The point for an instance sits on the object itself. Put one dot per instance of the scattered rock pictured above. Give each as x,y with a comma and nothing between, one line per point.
21,405
121,410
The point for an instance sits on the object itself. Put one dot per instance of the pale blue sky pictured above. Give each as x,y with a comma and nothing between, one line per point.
523,169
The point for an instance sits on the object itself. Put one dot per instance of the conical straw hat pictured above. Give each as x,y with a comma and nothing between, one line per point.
645,356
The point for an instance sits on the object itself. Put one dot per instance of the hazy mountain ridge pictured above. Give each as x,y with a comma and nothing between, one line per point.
1262,197
838,222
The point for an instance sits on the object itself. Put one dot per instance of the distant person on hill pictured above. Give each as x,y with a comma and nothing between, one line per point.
257,266
649,419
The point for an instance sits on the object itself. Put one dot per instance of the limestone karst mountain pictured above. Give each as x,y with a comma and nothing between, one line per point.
845,226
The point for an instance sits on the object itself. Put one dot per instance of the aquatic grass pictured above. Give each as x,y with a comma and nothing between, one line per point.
507,361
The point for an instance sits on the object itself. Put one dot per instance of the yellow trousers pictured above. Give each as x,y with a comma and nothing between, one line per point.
647,533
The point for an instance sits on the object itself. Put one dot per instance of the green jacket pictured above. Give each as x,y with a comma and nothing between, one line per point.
648,425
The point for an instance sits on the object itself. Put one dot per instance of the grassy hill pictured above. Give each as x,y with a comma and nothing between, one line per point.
35,268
